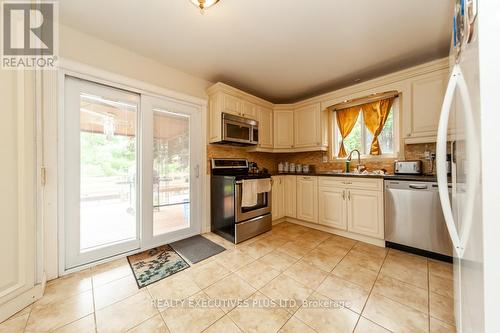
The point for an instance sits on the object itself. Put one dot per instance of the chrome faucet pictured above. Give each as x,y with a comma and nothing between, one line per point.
359,167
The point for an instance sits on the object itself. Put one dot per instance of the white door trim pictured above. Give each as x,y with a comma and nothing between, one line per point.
83,71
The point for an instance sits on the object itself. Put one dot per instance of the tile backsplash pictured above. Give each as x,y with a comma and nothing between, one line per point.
263,160
270,160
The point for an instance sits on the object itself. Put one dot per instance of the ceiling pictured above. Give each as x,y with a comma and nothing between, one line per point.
279,50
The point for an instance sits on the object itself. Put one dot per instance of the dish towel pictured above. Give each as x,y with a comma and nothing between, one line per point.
264,185
248,192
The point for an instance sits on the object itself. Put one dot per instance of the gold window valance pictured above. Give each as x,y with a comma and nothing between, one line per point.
375,108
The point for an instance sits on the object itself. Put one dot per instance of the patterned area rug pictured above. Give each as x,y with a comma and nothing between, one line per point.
155,264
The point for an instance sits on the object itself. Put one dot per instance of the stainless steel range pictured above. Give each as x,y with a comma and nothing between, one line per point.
229,218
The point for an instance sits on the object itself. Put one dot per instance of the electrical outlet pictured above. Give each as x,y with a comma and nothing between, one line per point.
427,154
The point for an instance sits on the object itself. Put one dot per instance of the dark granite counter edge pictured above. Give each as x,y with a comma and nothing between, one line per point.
423,178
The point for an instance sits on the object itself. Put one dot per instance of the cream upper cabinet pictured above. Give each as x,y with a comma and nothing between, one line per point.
215,119
427,94
248,110
231,104
219,103
290,196
332,207
265,118
283,129
225,99
365,213
307,198
307,126
277,203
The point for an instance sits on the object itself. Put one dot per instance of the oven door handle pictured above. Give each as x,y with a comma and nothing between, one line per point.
260,217
239,182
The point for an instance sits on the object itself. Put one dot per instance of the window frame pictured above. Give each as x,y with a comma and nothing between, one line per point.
396,108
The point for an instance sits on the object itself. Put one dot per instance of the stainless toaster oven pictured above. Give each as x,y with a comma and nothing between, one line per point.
408,167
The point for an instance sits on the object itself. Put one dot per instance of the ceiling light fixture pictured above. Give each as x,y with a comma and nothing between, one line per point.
203,4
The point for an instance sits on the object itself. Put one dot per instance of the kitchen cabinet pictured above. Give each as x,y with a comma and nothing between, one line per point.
215,120
238,106
283,129
365,212
332,207
353,205
248,110
349,204
290,195
219,103
277,197
307,126
230,104
427,94
265,118
225,99
307,198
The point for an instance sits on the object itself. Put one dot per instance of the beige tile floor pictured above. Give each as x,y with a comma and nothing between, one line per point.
292,279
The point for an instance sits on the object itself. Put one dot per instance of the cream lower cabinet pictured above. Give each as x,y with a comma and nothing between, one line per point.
290,195
277,198
307,198
353,205
365,213
332,207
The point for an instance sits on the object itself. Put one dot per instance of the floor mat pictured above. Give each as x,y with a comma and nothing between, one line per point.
155,264
197,248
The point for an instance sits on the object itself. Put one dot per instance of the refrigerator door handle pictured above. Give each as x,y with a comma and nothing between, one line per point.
472,177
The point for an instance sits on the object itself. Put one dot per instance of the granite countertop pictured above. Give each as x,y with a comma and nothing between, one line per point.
423,178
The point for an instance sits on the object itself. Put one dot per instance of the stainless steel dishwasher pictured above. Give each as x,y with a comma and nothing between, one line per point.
413,218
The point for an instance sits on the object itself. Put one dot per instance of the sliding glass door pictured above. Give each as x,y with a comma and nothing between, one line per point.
131,171
171,170
100,167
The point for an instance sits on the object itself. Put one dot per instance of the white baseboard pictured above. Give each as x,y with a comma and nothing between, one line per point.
347,234
18,303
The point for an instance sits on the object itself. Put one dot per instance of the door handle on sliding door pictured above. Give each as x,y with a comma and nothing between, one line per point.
197,170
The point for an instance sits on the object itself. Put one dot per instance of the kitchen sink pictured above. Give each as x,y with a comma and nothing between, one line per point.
343,173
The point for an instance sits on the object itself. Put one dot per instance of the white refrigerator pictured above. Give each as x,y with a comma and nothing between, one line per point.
459,133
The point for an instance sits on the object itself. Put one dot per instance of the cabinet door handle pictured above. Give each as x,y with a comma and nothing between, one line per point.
349,195
343,194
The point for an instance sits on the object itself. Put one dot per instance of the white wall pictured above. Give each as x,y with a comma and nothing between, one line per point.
89,50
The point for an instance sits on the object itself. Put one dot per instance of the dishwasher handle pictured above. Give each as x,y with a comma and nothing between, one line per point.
418,187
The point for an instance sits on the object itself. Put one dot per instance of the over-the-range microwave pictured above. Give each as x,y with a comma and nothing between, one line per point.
238,130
